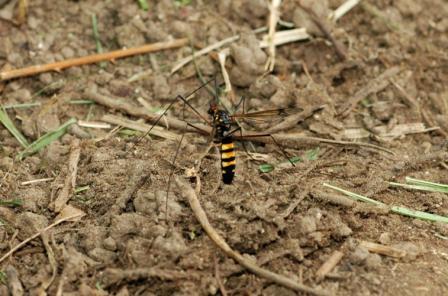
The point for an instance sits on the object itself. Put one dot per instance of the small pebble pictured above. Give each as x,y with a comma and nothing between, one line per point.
373,261
103,255
110,244
307,224
412,250
6,163
359,255
68,52
384,238
174,244
46,78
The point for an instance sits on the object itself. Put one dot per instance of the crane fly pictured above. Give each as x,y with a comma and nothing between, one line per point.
222,135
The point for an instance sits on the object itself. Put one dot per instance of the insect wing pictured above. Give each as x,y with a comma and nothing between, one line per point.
266,115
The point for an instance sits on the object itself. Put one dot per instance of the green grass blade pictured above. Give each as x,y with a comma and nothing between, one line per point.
396,209
354,196
82,102
437,186
46,139
143,4
309,155
11,203
182,2
417,187
3,278
267,167
81,189
7,122
312,154
419,214
96,36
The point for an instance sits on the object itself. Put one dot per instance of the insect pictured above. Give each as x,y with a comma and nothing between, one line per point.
222,123
222,133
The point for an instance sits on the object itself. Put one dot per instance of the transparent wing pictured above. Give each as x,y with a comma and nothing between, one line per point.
266,115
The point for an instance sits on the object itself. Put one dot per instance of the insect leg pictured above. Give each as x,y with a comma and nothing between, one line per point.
242,142
179,97
275,142
170,177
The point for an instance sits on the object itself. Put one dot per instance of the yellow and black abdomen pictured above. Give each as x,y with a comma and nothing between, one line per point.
227,160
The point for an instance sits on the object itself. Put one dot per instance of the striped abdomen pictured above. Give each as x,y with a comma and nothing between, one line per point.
227,160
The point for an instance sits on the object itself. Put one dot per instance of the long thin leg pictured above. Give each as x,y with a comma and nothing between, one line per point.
170,177
173,102
242,101
242,142
273,140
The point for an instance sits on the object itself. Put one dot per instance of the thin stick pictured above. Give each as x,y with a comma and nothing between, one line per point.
222,55
219,241
36,181
292,120
21,244
70,179
138,126
274,16
325,29
116,275
329,265
14,284
208,49
286,36
383,250
110,56
93,124
343,9
117,104
295,140
222,289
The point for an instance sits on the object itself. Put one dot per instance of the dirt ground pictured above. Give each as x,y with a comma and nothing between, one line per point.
390,90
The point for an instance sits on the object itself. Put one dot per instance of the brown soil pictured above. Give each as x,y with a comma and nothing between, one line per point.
123,246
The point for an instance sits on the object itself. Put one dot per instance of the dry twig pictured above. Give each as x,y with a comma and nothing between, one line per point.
343,9
208,49
93,124
382,249
329,265
325,28
110,56
222,289
24,242
274,16
30,182
118,104
222,55
285,36
219,241
14,284
112,276
136,180
139,126
70,180
292,120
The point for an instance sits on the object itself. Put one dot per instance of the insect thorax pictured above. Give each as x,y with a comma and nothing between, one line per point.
223,123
